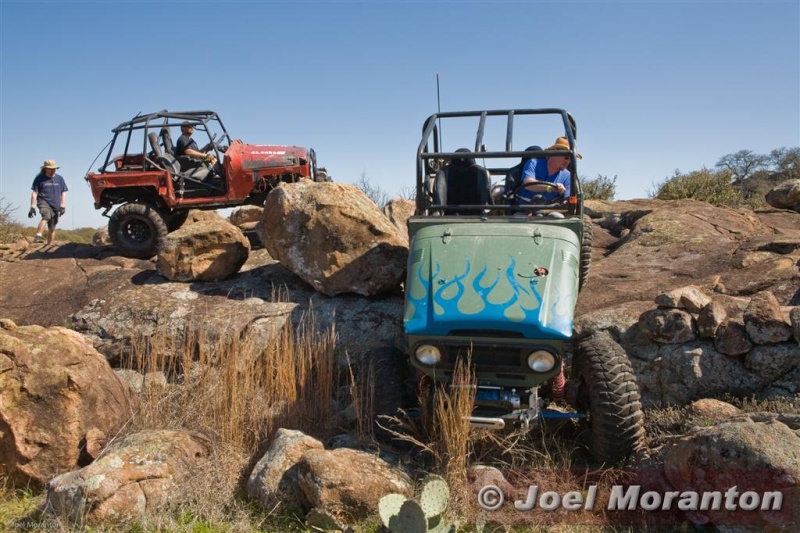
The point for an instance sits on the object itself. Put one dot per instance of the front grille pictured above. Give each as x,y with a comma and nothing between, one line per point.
488,358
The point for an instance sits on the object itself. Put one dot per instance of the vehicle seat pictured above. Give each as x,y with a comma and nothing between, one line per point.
462,182
166,141
514,176
167,161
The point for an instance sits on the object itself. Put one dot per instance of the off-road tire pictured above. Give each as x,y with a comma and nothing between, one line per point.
135,230
586,252
175,220
607,393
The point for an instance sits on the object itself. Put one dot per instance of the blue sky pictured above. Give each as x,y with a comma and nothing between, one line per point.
654,85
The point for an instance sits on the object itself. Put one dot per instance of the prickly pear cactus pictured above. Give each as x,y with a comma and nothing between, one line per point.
389,506
402,515
435,496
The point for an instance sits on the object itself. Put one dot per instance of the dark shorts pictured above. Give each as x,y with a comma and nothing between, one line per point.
48,214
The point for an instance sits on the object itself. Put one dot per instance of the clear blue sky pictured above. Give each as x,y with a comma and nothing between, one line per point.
654,85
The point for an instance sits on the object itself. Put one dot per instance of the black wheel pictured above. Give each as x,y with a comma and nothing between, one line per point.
606,392
586,252
176,220
135,230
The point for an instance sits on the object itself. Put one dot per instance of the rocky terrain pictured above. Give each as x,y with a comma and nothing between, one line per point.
705,300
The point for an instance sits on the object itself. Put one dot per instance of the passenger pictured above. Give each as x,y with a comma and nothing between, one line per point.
551,169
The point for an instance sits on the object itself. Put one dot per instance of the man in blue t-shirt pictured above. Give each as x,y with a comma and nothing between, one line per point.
553,170
49,194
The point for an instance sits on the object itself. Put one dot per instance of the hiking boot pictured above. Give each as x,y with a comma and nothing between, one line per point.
38,238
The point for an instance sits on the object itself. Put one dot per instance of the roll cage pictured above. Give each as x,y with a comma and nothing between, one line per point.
127,134
431,157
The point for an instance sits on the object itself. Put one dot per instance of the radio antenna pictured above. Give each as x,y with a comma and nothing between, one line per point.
439,110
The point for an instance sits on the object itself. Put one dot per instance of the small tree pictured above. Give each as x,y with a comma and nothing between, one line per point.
599,188
9,230
742,164
786,163
373,192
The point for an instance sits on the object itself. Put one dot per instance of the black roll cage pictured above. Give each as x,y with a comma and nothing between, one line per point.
429,160
163,119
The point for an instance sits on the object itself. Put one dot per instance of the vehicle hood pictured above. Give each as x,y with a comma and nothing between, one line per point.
515,279
256,156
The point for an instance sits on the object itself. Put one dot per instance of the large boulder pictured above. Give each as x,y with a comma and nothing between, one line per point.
785,195
346,484
334,237
744,460
60,402
206,250
273,482
764,321
134,476
246,216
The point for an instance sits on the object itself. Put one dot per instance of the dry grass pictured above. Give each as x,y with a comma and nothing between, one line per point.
237,393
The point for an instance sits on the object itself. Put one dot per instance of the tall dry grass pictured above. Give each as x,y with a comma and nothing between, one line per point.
237,390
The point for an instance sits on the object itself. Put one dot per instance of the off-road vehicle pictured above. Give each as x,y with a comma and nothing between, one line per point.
496,283
155,190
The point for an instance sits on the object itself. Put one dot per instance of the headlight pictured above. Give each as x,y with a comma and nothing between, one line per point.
428,354
541,361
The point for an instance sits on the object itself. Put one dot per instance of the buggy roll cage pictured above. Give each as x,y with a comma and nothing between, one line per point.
428,162
159,120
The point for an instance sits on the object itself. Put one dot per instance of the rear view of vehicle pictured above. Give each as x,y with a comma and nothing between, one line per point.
496,282
153,187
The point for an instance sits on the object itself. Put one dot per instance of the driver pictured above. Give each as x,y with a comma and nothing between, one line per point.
188,154
551,169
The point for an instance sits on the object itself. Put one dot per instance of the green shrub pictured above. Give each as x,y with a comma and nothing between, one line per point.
599,188
705,185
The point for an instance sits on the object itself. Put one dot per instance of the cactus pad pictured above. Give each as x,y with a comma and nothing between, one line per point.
435,496
389,507
410,520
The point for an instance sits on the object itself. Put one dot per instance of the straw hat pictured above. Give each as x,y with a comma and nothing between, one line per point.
563,144
49,163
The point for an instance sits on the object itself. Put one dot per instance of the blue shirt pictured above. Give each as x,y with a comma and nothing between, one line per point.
537,169
49,189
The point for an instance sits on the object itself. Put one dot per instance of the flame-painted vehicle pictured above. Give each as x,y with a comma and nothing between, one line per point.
155,190
496,284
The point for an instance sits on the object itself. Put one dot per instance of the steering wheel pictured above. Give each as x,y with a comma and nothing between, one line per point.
211,144
536,187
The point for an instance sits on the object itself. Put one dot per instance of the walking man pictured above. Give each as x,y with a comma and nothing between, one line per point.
49,194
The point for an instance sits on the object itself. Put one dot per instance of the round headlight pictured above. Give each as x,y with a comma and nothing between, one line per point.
428,354
541,361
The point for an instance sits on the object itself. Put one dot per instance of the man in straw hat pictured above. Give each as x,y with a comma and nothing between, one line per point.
49,194
552,169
